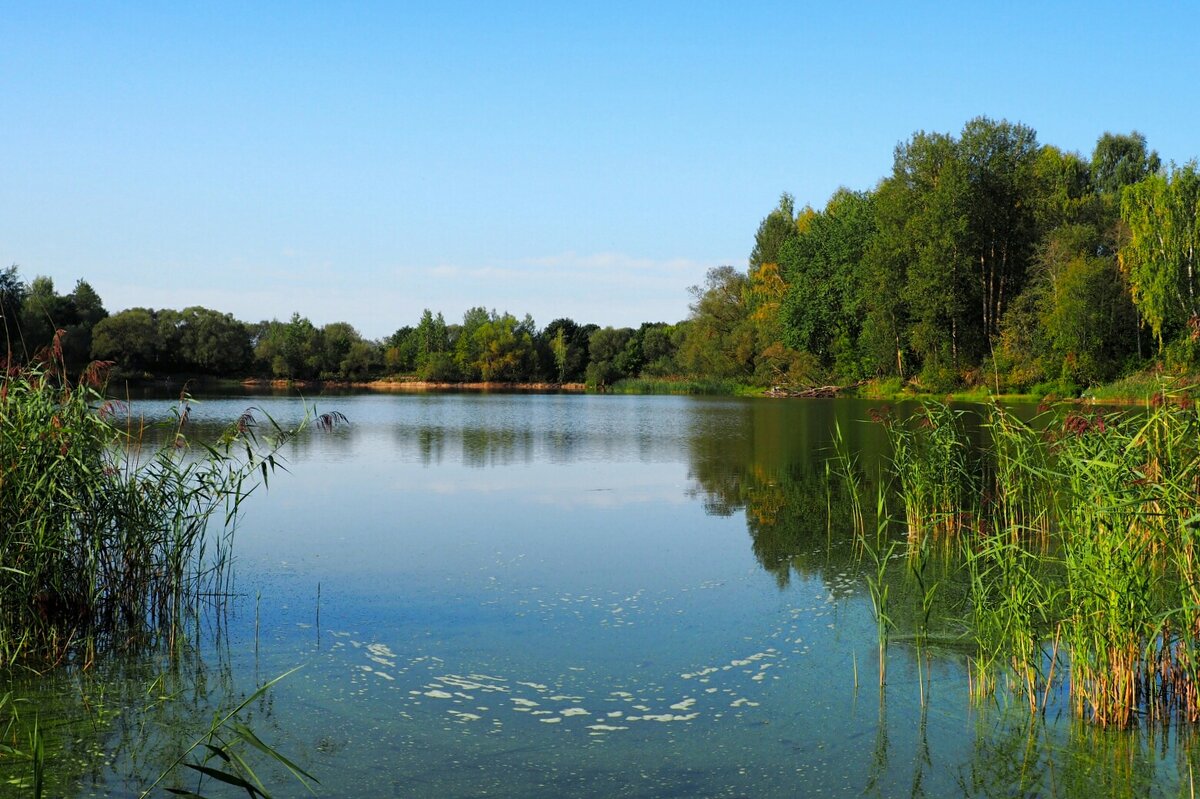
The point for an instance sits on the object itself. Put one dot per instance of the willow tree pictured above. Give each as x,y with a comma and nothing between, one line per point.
1159,259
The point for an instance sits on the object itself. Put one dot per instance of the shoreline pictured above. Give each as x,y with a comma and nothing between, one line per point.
1130,392
412,385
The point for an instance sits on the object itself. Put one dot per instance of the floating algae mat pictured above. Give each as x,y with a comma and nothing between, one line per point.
586,596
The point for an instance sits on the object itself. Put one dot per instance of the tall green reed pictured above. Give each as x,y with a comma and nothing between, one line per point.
1079,536
934,470
104,539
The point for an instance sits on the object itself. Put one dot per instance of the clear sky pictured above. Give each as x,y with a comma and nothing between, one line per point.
361,162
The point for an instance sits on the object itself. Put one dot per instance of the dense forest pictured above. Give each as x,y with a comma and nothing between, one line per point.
983,259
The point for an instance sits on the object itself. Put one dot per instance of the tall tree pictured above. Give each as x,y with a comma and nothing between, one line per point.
504,347
211,342
129,338
1121,160
89,310
12,296
558,347
43,313
1087,317
775,229
1162,213
607,345
719,343
1000,160
467,352
821,309
432,337
934,242
576,340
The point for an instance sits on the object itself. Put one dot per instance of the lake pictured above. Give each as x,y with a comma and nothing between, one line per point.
511,595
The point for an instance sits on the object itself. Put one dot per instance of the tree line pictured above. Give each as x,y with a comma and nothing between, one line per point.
983,258
485,346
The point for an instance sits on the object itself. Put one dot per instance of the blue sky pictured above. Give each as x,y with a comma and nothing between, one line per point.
361,162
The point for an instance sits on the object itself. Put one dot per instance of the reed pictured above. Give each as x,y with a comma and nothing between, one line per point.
847,470
103,538
878,588
936,476
1079,537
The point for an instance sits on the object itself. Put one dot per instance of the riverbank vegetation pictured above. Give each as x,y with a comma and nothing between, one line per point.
106,547
1076,549
103,539
986,260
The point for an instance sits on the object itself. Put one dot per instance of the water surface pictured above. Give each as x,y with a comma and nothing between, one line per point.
570,595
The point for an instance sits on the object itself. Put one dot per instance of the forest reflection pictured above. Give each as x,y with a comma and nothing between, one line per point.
773,465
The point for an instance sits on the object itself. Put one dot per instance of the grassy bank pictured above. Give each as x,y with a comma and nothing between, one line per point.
681,385
1137,388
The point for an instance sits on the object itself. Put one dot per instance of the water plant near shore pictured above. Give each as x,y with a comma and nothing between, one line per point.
103,537
933,469
1079,538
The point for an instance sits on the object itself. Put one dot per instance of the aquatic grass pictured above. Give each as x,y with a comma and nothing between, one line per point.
1079,537
879,589
222,761
1020,489
104,540
932,465
1012,610
848,472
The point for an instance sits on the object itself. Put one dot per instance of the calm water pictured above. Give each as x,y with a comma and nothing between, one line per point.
558,596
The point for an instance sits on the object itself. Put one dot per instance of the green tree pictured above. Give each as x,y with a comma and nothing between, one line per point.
337,339
1087,317
607,348
719,342
400,351
214,343
956,232
884,341
433,361
89,310
129,338
822,307
43,312
1064,193
773,232
12,297
558,347
938,276
1121,160
363,361
660,343
504,347
289,350
467,352
1162,214
1001,160
576,337
168,333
